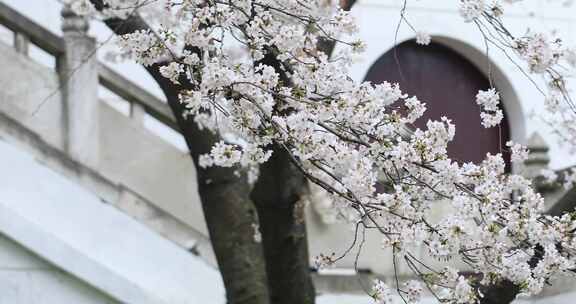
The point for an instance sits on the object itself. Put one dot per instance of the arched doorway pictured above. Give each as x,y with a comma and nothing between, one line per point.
448,83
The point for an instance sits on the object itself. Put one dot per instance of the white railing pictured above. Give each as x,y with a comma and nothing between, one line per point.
26,31
114,155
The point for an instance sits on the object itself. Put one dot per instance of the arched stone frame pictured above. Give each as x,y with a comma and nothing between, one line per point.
377,27
520,97
321,220
511,104
321,203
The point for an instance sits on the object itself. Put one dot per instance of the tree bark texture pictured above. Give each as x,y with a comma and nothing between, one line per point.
278,198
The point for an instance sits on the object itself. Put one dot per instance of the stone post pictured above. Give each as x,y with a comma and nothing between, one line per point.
78,69
538,158
137,113
21,43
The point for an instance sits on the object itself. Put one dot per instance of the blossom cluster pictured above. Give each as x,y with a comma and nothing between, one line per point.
489,101
257,74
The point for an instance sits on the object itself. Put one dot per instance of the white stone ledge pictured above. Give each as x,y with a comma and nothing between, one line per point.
71,228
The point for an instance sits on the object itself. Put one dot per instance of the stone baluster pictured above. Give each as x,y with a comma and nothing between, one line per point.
78,69
137,113
21,43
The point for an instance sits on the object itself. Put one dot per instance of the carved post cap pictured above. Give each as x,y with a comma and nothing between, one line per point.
71,22
538,150
538,158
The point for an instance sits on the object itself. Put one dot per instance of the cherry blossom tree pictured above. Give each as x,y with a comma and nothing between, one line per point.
261,91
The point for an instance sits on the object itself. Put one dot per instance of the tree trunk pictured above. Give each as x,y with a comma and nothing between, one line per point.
227,207
278,198
228,210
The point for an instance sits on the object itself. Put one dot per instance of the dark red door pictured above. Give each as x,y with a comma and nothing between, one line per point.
448,84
